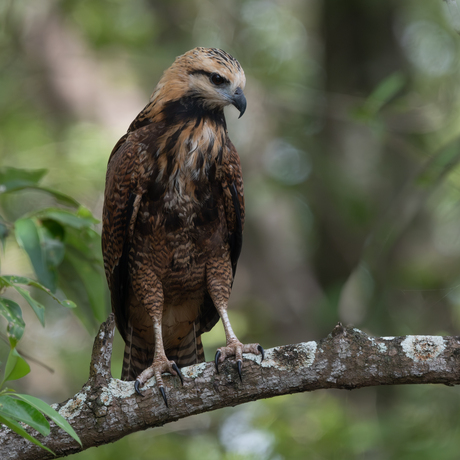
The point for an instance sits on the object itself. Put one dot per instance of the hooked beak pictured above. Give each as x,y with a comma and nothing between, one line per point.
239,101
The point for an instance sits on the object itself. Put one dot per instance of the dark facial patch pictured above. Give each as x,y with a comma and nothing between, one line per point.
191,107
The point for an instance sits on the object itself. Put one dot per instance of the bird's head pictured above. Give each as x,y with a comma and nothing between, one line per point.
208,76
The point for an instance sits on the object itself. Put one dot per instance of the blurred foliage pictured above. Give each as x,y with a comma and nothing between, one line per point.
350,152
57,241
46,252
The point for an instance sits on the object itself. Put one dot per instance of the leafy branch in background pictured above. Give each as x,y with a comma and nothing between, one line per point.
64,251
59,240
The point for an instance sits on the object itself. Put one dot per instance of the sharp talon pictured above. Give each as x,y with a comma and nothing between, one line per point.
162,391
136,387
261,350
179,373
216,360
239,370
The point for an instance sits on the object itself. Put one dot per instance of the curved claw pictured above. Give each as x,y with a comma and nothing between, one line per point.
239,370
262,352
179,373
216,360
163,393
137,385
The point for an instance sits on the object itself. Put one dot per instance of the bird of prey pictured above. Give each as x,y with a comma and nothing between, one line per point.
173,219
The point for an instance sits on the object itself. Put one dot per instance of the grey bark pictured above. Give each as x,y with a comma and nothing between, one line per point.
106,409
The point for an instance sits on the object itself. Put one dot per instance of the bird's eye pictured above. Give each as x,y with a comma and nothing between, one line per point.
216,79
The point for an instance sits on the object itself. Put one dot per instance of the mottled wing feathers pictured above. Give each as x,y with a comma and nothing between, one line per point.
124,189
235,207
120,273
117,212
236,237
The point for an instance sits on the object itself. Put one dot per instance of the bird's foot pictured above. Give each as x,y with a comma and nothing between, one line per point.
236,349
158,367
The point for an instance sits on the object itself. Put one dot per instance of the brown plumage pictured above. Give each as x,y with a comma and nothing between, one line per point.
173,219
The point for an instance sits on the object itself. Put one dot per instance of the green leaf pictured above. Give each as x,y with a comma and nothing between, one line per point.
11,311
4,283
381,95
73,285
57,418
37,307
22,411
55,229
13,425
52,244
61,197
14,179
86,214
4,231
93,279
11,280
77,220
385,91
88,243
28,237
16,367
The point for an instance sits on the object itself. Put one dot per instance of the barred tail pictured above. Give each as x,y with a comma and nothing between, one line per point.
138,354
189,351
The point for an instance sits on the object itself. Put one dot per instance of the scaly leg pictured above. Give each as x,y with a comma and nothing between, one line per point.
153,299
219,281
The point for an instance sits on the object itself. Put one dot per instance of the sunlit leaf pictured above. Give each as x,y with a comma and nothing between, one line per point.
28,237
24,412
86,214
12,313
16,367
13,425
57,418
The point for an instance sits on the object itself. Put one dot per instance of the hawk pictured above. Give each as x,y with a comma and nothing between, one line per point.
173,220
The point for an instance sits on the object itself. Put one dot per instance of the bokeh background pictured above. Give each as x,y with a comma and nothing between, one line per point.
350,151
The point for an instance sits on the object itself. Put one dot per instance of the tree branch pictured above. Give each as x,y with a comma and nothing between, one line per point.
107,409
